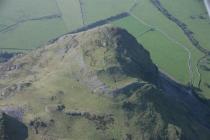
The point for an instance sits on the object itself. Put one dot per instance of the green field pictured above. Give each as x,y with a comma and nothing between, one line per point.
19,30
195,16
169,38
26,37
105,8
146,12
169,47
196,9
159,47
71,13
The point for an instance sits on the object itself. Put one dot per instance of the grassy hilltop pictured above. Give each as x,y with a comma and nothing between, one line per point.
29,24
99,84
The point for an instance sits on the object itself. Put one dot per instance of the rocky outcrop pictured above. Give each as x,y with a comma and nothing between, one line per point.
11,90
122,52
57,84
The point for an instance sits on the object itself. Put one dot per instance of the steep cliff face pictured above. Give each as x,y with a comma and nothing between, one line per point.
99,84
114,49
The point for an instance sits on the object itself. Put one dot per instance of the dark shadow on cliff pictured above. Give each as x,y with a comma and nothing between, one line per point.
135,61
169,111
14,129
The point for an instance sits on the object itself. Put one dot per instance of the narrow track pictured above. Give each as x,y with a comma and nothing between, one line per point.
12,26
82,11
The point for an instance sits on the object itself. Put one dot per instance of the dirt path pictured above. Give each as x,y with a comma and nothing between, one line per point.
82,11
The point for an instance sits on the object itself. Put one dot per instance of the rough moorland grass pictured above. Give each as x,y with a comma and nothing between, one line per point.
75,96
58,78
34,34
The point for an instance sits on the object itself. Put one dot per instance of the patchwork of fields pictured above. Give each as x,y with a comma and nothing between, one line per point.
29,24
169,46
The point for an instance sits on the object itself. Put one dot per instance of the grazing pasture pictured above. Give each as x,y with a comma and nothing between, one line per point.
31,34
71,13
164,42
30,24
99,9
159,47
196,17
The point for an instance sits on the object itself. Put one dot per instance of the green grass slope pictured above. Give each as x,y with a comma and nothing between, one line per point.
97,85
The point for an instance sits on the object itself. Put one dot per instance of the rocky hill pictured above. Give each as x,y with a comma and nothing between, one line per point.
100,84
